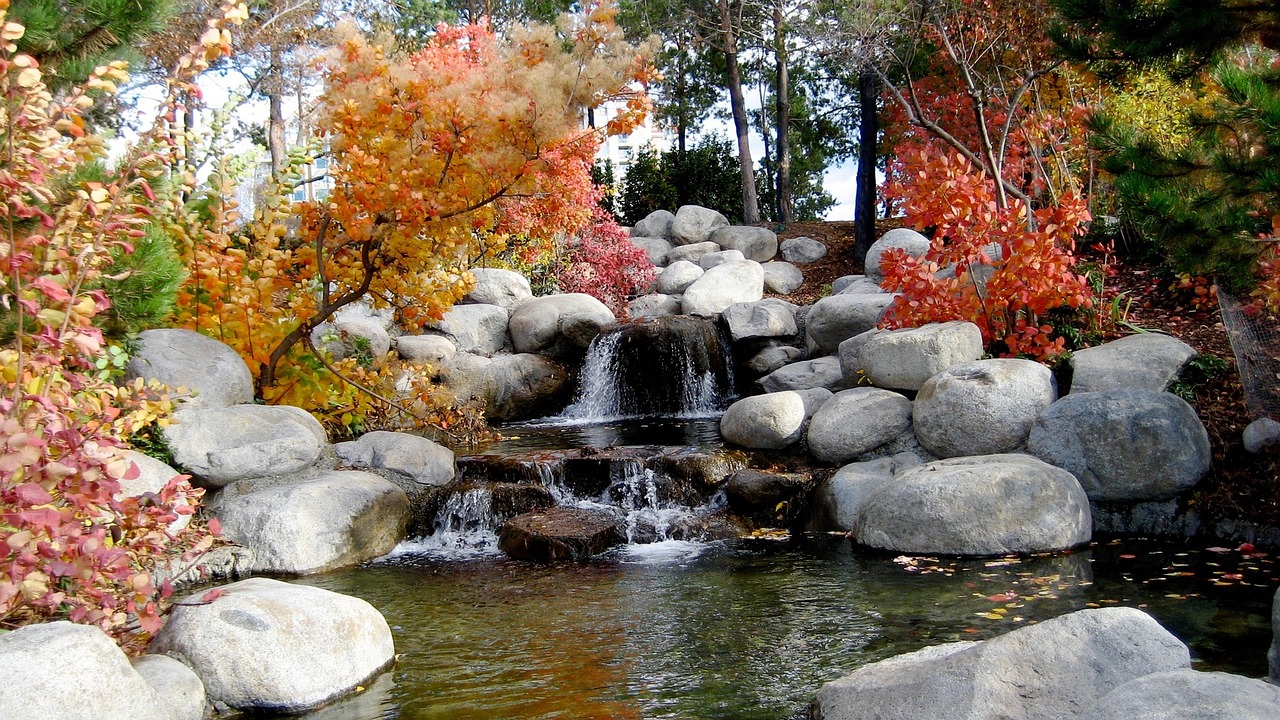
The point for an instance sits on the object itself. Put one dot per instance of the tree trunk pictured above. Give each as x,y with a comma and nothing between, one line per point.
275,128
729,38
786,208
864,209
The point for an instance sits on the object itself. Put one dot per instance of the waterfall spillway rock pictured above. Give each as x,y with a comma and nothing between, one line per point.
675,366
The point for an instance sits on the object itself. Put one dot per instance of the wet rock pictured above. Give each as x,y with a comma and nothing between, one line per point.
560,534
63,671
856,422
678,276
834,319
1124,445
982,407
906,239
267,645
782,278
722,286
710,260
505,288
771,421
694,224
558,324
656,224
508,500
479,329
1146,360
1188,695
177,685
823,372
982,505
211,370
749,491
655,248
802,250
1053,669
429,349
696,474
218,445
905,359
769,318
755,243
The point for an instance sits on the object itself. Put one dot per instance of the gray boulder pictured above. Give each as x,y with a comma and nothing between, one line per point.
850,354
428,349
981,505
1188,695
906,239
782,278
904,359
1146,360
772,358
1261,434
362,338
477,328
766,422
722,286
691,253
802,250
201,365
153,476
838,499
856,422
836,318
218,445
814,399
1050,671
823,372
656,224
654,305
266,645
412,458
694,224
363,309
1124,445
982,407
843,282
558,324
710,260
512,387
860,285
177,686
655,248
678,276
756,243
63,671
334,520
770,318
507,289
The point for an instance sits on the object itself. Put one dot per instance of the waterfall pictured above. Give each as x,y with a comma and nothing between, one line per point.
465,526
672,366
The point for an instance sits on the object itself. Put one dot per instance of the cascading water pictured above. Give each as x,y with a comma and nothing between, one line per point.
672,367
465,525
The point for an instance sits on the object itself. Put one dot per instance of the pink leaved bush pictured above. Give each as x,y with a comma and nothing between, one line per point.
604,263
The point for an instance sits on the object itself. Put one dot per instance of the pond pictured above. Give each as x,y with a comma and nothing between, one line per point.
751,629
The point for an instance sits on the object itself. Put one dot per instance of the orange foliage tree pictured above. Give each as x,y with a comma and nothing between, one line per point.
436,159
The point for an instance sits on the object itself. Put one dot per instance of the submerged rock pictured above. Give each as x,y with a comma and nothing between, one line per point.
560,534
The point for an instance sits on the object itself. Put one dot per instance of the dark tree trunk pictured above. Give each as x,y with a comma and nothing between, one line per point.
729,38
864,209
782,189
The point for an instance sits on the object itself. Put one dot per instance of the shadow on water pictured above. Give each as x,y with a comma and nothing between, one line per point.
752,629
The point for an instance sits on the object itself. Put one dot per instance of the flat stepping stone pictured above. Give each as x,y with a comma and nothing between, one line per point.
560,534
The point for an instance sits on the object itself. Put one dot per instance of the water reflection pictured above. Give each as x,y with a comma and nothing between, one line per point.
560,433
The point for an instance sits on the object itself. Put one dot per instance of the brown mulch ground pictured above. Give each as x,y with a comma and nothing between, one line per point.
1241,486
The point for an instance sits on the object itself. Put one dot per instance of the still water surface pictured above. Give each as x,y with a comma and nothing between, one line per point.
751,629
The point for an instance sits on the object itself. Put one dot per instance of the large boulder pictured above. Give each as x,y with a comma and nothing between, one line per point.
153,476
218,445
558,324
654,306
722,286
982,505
64,671
756,243
823,372
512,387
802,250
904,359
838,499
1050,671
906,239
1146,360
177,685
691,253
214,372
858,285
769,318
856,422
837,318
782,278
656,224
678,276
366,339
266,645
1188,695
429,349
477,328
655,248
694,224
772,358
560,533
710,260
1124,445
412,458
765,422
507,289
334,520
982,407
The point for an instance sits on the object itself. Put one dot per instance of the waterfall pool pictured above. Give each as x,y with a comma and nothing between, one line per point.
751,629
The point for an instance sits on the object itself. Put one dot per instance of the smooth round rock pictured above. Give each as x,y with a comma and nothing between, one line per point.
823,372
982,407
507,289
655,248
906,239
211,370
558,323
428,349
678,276
767,422
802,250
755,243
1188,695
694,224
722,286
476,328
856,422
782,278
177,685
218,445
1145,360
905,359
768,318
656,224
836,318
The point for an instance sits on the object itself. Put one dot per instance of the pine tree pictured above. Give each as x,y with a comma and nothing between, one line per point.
69,38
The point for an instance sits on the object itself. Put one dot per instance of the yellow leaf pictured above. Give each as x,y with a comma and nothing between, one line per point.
29,78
